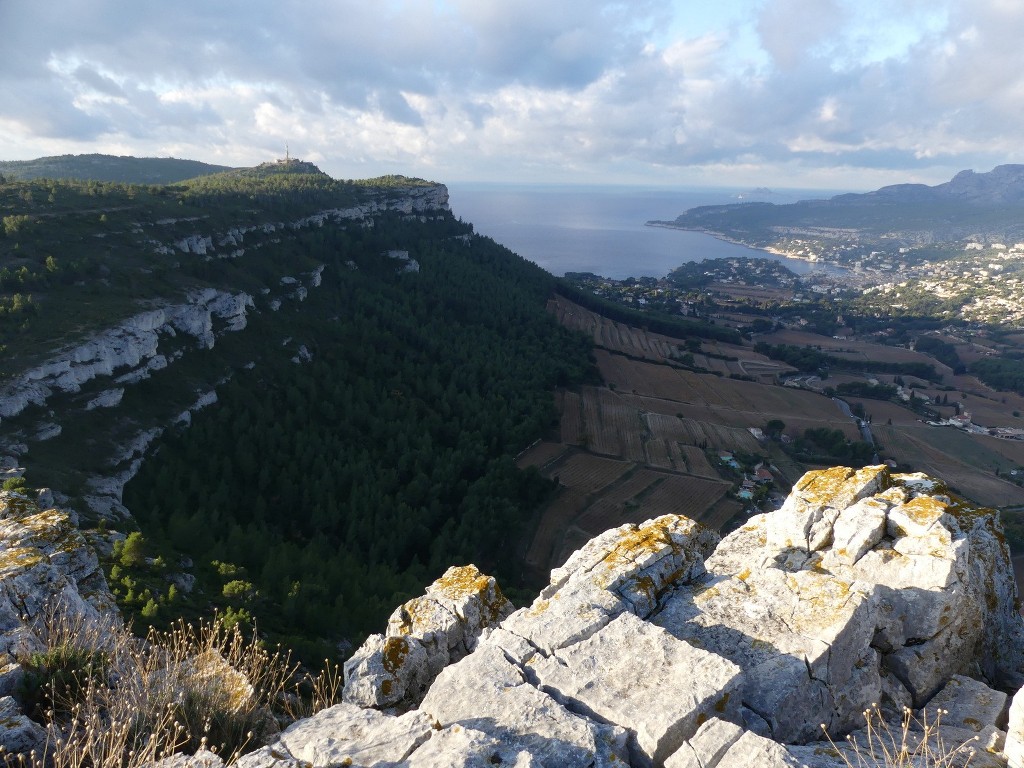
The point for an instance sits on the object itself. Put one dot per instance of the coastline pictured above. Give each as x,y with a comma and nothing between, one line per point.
726,239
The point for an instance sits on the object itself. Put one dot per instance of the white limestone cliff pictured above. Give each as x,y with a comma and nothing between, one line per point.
130,346
658,645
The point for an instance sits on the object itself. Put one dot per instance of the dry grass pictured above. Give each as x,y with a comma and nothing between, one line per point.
913,744
111,700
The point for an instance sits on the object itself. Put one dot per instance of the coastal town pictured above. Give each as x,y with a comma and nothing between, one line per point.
974,283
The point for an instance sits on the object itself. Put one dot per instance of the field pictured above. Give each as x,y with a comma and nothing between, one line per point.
965,464
647,442
608,334
760,294
854,350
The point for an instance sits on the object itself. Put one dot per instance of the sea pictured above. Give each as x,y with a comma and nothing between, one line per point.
601,229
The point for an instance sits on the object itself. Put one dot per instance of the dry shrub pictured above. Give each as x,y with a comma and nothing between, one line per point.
914,744
111,700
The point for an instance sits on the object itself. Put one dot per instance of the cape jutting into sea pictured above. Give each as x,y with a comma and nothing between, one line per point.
601,229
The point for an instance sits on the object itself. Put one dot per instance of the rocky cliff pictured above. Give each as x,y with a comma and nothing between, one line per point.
47,567
654,645
659,645
38,401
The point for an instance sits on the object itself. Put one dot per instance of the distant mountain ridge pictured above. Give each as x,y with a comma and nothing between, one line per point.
970,207
122,169
1003,184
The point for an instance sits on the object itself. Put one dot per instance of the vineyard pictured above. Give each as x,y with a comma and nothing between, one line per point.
611,335
923,455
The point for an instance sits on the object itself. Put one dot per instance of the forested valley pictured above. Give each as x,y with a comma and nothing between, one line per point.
326,488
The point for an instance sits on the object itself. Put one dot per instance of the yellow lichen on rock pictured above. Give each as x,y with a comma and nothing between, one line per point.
820,486
644,540
461,582
396,650
19,558
925,510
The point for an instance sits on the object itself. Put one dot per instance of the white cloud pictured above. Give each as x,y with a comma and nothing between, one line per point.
766,91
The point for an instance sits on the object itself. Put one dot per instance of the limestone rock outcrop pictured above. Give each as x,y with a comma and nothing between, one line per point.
424,636
132,344
45,563
656,645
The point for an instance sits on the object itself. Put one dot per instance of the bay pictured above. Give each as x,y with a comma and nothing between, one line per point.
601,229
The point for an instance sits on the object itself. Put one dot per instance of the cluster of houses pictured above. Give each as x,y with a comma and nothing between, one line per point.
759,476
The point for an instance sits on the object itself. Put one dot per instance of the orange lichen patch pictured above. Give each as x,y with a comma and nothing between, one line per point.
821,599
924,510
825,486
704,595
416,614
865,475
395,652
461,582
539,606
458,585
20,557
629,548
52,530
743,575
17,507
822,481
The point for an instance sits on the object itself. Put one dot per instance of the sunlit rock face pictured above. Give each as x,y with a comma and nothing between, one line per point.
424,636
659,645
129,349
47,568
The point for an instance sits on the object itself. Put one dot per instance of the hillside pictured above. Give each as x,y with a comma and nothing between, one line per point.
849,227
123,170
376,368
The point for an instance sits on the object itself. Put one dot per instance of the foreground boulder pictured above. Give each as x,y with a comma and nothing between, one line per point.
424,636
656,645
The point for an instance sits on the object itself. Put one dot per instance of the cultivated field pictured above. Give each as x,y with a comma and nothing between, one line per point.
854,350
608,334
966,465
646,443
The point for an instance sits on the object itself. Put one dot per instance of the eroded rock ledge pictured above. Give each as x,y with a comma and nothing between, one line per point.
659,645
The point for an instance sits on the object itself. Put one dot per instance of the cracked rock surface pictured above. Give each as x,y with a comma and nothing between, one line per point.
658,645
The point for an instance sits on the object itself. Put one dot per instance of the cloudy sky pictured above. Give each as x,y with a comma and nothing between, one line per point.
841,94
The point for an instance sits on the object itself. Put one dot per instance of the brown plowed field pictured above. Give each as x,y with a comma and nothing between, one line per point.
635,447
540,454
586,473
854,350
953,456
612,335
571,421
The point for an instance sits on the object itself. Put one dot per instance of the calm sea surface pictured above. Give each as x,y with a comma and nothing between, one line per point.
601,229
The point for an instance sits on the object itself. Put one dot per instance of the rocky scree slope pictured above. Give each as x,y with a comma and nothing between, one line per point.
659,645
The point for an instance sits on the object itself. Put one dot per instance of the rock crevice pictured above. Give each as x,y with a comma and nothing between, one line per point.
658,645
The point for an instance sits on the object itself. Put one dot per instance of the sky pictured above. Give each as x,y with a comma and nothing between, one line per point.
834,94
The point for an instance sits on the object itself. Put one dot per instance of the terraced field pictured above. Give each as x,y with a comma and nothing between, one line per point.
646,443
967,466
